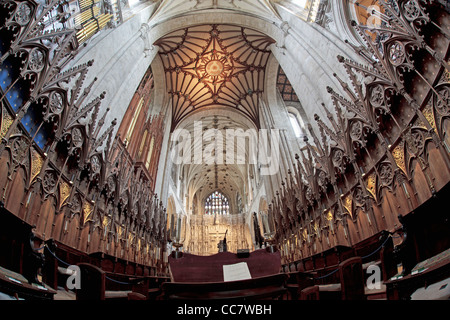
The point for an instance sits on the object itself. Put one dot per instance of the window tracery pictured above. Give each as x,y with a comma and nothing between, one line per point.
217,203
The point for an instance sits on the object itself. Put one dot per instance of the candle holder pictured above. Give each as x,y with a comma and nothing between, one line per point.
177,253
270,239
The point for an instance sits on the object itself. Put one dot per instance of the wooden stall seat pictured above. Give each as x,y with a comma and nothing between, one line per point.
139,278
92,283
95,285
352,279
21,259
292,286
16,285
136,296
350,285
422,276
317,269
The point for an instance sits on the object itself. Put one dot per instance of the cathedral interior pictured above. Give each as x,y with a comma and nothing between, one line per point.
153,148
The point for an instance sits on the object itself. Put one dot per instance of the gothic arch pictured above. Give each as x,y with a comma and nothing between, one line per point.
171,216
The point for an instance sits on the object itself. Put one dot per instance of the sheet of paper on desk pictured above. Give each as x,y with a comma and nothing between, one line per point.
235,272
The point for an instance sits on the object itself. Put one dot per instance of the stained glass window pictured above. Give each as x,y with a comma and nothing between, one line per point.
217,203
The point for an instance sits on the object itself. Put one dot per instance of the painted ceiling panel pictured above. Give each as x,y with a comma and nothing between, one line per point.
212,65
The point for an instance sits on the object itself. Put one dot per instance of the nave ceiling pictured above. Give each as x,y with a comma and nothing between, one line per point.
214,65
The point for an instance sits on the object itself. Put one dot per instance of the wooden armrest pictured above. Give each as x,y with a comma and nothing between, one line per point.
117,294
136,296
368,264
333,287
310,293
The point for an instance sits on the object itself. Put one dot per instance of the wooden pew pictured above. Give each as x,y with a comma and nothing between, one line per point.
203,277
195,268
268,287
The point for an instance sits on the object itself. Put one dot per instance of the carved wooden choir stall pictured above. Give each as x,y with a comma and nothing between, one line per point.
380,163
62,171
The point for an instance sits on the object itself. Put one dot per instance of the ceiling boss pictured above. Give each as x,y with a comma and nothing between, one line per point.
215,66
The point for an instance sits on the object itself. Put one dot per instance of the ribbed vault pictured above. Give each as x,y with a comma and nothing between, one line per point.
214,65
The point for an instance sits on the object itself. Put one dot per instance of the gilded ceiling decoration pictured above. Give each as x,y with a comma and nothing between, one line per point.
214,65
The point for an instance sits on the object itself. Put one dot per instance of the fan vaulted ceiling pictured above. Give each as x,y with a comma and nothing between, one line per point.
214,65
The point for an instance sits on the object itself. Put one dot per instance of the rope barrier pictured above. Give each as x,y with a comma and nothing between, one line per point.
54,255
377,249
327,275
117,281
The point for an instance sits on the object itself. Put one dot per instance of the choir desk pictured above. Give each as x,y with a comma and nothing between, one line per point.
255,275
423,275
